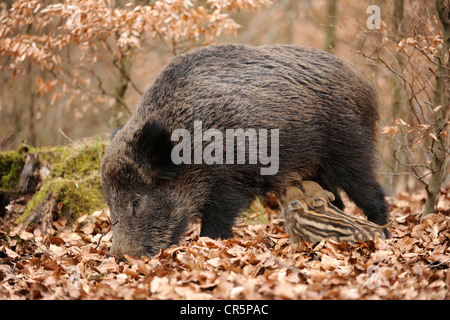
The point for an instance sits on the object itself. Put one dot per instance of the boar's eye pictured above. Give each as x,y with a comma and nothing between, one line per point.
136,202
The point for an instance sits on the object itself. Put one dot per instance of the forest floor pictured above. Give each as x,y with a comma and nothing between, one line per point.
73,261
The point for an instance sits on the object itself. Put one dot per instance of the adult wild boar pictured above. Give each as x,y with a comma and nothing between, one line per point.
324,112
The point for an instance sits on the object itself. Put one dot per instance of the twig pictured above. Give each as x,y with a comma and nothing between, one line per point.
65,136
109,229
435,265
44,251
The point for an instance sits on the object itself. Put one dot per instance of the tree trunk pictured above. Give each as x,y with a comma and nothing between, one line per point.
30,92
120,111
398,100
441,105
330,29
291,14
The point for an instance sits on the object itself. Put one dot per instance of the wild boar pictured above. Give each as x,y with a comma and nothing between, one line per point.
319,115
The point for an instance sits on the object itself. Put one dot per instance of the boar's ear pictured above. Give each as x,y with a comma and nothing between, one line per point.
154,146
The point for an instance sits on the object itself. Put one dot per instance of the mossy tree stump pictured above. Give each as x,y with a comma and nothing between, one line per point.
68,181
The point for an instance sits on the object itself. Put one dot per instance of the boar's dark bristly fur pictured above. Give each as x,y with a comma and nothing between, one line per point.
325,112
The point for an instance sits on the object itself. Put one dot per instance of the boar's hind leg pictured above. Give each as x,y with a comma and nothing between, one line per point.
327,185
355,176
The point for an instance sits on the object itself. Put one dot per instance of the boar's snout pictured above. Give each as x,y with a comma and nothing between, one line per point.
145,237
120,248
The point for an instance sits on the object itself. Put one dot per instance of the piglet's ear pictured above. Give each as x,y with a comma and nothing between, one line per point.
153,147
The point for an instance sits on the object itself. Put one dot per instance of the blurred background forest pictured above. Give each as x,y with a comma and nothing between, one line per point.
73,69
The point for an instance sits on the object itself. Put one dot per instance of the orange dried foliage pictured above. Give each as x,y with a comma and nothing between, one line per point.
86,22
260,262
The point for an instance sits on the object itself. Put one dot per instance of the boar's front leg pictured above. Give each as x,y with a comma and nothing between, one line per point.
220,211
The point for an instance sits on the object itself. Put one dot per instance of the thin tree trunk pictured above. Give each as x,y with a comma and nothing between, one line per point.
32,139
291,15
441,105
120,111
398,98
330,29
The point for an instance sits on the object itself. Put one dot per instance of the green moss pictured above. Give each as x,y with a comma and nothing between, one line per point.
74,179
11,165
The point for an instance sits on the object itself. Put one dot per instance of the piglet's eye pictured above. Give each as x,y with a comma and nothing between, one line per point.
136,202
284,193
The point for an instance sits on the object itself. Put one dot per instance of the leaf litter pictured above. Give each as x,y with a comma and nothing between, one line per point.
260,262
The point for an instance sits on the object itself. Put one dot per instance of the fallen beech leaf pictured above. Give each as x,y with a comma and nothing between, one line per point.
50,281
402,219
56,250
102,237
88,228
56,241
215,262
10,253
50,264
130,272
25,235
349,293
6,273
141,266
381,255
328,262
108,265
15,231
100,215
60,223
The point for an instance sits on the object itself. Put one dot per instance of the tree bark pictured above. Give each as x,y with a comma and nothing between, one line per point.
398,99
330,29
440,107
121,111
291,15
